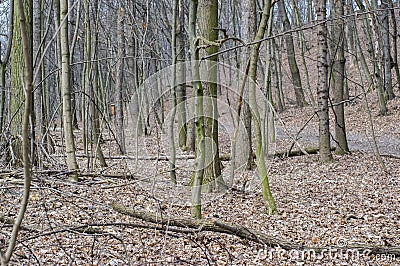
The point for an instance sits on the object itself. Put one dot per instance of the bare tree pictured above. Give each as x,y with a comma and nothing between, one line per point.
260,158
323,86
294,69
387,58
208,30
199,113
3,64
5,257
66,91
119,81
339,75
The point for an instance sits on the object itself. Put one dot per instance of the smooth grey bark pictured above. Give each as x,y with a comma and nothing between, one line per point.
323,86
66,91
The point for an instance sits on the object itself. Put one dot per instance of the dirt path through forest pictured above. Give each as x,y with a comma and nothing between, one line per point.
388,144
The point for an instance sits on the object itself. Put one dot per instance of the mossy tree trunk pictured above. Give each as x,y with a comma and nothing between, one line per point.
260,158
17,72
199,114
208,24
26,44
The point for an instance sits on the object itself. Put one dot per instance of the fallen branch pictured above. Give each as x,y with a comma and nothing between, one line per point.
224,157
307,151
242,232
198,225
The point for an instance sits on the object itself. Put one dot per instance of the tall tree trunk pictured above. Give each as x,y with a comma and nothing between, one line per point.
119,81
261,165
323,86
38,94
249,26
181,86
395,36
208,24
387,58
339,73
28,88
199,114
277,71
66,91
171,125
294,69
94,92
3,64
303,49
17,67
374,55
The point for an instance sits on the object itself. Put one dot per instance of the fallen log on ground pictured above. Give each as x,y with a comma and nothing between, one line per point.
295,153
242,232
223,157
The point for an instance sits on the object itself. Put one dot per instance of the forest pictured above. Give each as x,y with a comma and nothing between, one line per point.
199,132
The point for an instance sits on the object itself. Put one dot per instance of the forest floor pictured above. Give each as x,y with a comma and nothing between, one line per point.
347,202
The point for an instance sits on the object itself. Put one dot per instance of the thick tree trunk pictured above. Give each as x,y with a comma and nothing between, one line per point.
323,86
26,43
17,69
208,24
